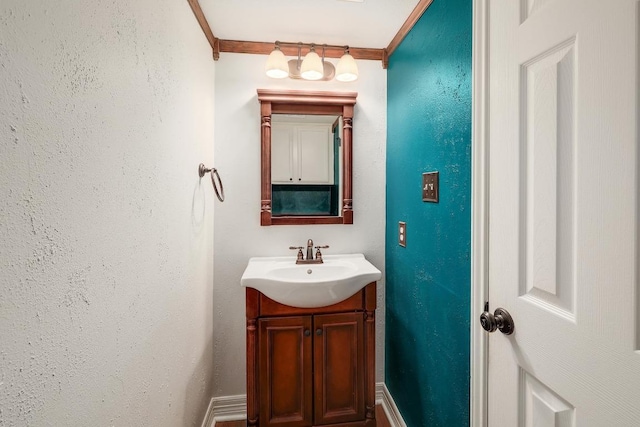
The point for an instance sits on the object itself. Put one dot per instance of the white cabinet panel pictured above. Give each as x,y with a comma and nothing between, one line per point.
301,154
315,155
282,155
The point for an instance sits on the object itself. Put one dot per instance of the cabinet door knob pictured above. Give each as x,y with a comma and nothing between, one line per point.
307,332
318,331
290,179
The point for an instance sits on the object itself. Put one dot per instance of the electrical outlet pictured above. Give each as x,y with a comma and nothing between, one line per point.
430,187
402,234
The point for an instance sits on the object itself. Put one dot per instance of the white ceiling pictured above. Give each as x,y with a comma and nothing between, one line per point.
370,23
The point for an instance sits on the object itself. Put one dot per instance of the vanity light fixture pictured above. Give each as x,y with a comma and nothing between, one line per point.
311,66
346,70
277,66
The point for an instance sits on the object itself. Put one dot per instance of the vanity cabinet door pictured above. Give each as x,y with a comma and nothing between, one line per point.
339,368
285,366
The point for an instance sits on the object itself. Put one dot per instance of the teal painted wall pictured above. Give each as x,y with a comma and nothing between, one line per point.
428,283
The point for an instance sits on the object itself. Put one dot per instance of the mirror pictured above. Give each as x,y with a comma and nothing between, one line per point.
306,144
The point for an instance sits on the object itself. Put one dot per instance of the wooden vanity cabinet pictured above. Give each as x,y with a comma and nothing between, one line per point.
311,367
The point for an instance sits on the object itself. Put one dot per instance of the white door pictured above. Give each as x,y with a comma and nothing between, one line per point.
563,212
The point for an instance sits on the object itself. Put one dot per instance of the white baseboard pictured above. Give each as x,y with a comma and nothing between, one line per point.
233,408
208,416
384,399
226,408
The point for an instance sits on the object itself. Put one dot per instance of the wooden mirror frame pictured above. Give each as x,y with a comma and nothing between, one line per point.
307,103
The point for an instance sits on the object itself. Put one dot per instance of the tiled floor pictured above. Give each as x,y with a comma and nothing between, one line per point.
381,420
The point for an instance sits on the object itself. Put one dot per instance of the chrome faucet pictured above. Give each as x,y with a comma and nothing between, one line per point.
310,259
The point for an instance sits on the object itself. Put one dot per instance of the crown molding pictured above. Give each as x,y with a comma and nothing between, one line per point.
417,12
264,48
206,29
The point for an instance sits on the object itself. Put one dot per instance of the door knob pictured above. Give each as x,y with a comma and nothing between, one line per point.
487,320
500,320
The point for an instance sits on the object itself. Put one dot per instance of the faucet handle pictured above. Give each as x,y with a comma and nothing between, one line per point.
318,253
299,249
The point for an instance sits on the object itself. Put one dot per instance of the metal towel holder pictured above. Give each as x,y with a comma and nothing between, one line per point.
202,169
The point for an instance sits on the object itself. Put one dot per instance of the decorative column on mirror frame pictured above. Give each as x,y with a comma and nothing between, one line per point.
265,203
347,136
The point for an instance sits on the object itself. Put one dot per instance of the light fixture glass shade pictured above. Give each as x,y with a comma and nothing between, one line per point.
311,68
346,70
277,66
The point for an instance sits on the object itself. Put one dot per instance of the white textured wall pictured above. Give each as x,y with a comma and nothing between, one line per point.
106,235
238,234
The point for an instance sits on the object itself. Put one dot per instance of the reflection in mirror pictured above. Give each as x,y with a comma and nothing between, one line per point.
305,164
306,157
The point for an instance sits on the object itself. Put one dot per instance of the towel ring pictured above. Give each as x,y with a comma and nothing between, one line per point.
202,169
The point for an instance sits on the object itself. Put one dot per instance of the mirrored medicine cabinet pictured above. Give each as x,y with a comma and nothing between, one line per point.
306,160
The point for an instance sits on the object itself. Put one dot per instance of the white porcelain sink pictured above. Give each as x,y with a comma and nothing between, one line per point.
309,285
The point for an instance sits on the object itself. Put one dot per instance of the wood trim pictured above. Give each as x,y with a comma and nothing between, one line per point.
417,12
306,102
326,110
347,164
269,307
206,29
265,163
385,59
305,220
306,97
265,48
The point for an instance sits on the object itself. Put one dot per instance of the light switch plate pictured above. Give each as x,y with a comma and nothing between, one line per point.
402,234
430,187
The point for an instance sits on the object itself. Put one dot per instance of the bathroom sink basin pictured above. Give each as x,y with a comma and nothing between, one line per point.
309,285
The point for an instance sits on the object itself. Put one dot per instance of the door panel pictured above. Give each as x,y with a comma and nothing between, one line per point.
547,174
563,156
339,368
542,407
285,371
